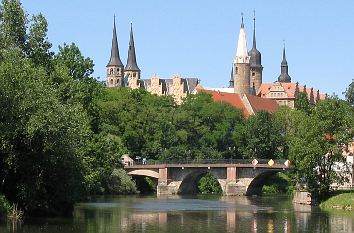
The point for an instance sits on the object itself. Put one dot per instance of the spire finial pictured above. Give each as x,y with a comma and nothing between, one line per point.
254,28
242,25
131,61
115,59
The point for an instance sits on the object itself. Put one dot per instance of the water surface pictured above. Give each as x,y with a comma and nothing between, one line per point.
175,214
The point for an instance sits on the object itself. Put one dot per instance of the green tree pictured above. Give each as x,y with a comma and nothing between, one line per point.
259,137
349,93
13,25
316,143
302,103
42,140
38,46
78,66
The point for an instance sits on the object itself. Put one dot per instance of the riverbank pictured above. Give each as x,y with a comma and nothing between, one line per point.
343,201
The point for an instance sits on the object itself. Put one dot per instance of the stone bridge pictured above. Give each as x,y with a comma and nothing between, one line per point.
234,178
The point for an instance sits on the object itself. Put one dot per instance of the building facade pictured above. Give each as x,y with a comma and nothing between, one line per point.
246,76
130,75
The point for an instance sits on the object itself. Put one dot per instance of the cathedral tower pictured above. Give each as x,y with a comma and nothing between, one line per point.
255,62
132,71
115,69
241,65
284,74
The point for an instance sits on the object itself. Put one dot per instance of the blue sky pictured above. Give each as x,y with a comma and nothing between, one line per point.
199,38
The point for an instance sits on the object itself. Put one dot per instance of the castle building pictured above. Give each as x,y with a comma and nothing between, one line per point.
130,75
246,76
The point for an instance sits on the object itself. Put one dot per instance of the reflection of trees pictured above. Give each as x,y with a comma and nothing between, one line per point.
237,214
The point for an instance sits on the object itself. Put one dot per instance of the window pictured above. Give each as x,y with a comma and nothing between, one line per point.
253,74
134,74
111,71
118,70
111,81
236,70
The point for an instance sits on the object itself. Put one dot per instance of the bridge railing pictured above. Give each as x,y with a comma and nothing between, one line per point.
209,161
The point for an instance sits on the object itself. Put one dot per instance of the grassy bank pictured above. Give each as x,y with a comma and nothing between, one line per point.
340,201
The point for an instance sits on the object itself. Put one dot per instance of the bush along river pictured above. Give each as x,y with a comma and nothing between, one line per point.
194,214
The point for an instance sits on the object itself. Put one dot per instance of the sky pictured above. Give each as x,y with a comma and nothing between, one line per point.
198,38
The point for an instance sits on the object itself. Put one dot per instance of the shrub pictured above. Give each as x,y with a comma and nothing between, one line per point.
4,206
120,183
208,184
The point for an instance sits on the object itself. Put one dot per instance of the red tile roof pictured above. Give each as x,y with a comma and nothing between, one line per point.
289,88
230,98
258,104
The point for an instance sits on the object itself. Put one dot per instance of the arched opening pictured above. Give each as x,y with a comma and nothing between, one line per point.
145,184
269,182
200,182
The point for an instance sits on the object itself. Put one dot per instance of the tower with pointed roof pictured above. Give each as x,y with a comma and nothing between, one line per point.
241,65
132,71
255,61
284,71
115,68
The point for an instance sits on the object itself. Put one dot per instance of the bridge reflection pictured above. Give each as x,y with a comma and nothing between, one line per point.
235,214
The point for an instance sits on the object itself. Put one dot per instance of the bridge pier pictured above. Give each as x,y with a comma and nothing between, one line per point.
235,179
234,188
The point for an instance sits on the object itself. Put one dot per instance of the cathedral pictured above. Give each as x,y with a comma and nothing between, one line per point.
130,75
245,81
246,76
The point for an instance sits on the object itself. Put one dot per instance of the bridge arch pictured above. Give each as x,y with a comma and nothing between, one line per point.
189,182
145,172
257,183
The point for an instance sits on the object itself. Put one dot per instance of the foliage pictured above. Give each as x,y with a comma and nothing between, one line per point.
302,103
101,156
41,139
4,206
342,201
259,137
208,184
349,93
120,182
278,183
316,143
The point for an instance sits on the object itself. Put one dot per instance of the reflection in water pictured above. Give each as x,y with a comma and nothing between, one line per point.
192,214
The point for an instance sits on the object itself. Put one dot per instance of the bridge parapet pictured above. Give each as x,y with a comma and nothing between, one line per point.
236,177
209,161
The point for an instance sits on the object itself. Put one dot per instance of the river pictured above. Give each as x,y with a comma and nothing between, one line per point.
195,214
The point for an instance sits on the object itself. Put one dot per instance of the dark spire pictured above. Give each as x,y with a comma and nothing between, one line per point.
284,75
131,62
318,96
115,59
231,82
312,97
256,58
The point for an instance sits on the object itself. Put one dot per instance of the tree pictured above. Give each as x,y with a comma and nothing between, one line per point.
302,103
42,140
13,25
37,47
78,66
260,137
316,143
349,93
